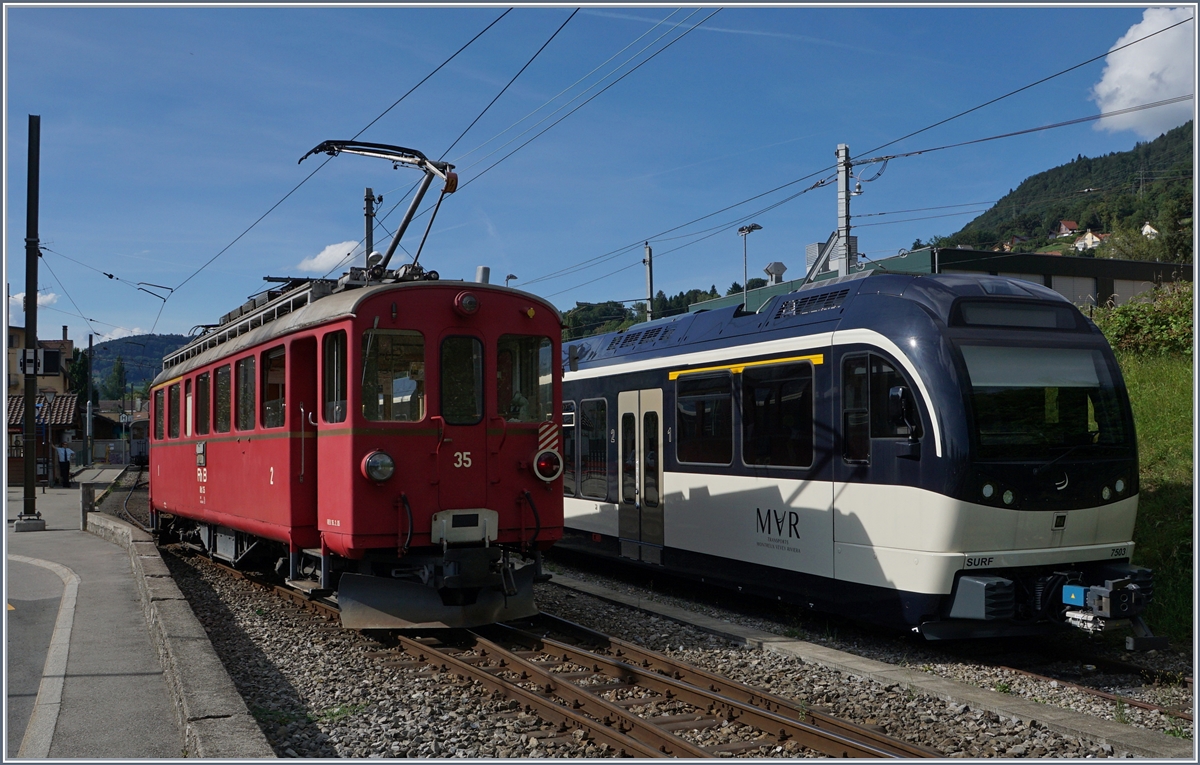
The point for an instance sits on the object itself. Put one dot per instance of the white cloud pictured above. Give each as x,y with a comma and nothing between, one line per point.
16,303
329,258
1160,68
122,332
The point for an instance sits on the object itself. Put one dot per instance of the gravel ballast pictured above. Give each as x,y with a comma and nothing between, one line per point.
319,691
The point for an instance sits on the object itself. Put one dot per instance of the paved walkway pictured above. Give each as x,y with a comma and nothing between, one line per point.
84,679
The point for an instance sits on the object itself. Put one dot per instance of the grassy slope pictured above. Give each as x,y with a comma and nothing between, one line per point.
1161,390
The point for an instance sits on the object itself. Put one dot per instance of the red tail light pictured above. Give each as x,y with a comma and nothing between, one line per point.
548,465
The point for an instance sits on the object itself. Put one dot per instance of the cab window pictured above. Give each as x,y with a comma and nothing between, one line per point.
393,377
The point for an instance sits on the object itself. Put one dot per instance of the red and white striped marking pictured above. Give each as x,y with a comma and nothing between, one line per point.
549,437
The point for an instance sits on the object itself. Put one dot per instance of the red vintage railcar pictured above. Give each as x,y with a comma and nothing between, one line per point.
387,437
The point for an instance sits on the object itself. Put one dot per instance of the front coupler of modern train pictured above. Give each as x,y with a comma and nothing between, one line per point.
463,581
1094,598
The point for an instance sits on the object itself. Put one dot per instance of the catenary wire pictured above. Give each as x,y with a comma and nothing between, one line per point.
556,111
510,82
578,267
885,145
378,220
318,168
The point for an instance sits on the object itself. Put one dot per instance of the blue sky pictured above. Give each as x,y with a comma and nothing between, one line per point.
166,132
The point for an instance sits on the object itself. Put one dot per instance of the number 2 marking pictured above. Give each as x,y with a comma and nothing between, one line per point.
462,459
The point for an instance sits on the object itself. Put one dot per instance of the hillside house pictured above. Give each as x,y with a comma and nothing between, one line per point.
1089,241
1148,231
1066,228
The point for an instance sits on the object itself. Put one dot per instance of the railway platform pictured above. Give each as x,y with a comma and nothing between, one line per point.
102,661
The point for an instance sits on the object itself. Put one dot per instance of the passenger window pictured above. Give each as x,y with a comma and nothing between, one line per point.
569,468
777,415
222,408
650,455
273,384
187,408
593,448
203,403
704,420
173,413
628,452
244,369
462,380
856,414
524,383
884,377
393,379
334,369
159,413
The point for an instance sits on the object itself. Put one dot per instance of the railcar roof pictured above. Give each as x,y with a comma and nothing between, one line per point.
317,311
819,302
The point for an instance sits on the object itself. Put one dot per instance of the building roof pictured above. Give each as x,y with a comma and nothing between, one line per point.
62,410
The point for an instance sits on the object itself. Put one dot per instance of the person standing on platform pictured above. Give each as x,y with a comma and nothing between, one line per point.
65,455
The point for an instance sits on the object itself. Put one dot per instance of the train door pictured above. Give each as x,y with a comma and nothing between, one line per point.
302,389
639,480
878,449
462,445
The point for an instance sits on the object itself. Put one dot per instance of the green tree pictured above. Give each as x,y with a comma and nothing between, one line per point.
77,378
113,386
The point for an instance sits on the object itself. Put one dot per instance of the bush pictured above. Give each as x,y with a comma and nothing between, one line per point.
1158,326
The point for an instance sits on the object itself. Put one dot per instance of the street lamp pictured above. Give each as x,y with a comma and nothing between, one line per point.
508,278
742,232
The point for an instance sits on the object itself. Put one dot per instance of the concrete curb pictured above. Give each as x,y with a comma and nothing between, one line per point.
1137,741
213,717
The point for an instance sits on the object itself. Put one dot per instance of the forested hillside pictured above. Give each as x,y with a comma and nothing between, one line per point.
1115,194
140,355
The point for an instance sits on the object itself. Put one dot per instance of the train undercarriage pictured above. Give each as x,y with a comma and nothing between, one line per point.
442,587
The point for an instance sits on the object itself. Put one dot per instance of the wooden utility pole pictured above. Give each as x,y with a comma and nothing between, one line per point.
29,518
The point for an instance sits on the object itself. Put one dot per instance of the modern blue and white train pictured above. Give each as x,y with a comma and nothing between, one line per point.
949,454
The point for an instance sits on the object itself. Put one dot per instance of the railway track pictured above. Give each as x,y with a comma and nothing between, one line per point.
600,689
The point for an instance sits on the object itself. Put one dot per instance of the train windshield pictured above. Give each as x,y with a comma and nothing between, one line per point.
1033,403
524,379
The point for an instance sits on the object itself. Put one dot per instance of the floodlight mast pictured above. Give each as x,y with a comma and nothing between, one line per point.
397,155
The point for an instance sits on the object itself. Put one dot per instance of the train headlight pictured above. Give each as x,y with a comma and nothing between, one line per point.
378,466
547,465
1008,497
988,491
1106,493
466,303
1120,485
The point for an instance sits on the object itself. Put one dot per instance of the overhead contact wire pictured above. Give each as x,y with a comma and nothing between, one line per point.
318,168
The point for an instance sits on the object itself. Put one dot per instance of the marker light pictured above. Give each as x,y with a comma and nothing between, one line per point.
1008,497
378,466
466,303
547,465
1106,493
988,490
1120,485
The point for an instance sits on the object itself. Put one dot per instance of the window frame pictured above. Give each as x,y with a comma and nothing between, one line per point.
811,430
160,414
480,392
604,431
570,449
173,418
245,377
203,418
336,340
269,357
683,380
227,369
